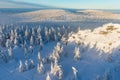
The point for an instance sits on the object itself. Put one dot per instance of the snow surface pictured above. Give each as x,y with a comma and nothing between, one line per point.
99,57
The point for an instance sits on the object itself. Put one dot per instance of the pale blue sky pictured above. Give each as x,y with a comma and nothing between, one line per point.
79,4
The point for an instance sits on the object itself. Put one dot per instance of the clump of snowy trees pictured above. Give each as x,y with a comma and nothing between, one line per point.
27,65
56,70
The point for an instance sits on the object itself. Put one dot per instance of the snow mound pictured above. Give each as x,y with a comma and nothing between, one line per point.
104,39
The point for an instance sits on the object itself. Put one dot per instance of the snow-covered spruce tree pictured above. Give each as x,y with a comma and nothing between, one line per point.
40,68
21,67
12,36
58,47
59,36
8,43
38,38
2,40
74,73
53,33
26,34
10,53
48,77
33,31
39,57
41,44
25,52
64,39
31,64
46,35
50,33
16,33
26,65
39,30
31,49
15,41
77,53
60,74
55,37
32,41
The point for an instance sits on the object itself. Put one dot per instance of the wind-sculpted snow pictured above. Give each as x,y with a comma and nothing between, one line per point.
104,39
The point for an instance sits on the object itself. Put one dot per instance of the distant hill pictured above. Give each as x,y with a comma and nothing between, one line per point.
64,15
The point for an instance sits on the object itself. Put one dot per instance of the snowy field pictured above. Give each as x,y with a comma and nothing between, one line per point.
60,45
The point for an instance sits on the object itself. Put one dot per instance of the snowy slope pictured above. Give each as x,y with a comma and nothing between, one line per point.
105,38
64,15
97,53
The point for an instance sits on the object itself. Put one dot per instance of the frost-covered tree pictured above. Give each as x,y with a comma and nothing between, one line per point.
33,31
39,30
60,73
74,73
55,37
47,38
26,65
31,64
39,57
40,68
53,33
41,44
59,36
64,39
31,49
26,34
77,53
38,39
31,40
12,36
10,53
48,77
8,43
21,67
58,50
2,40
26,52
58,47
16,41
